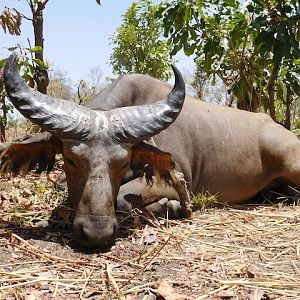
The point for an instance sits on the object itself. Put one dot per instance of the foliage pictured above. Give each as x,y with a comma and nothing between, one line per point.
253,47
138,46
204,200
27,65
59,85
88,89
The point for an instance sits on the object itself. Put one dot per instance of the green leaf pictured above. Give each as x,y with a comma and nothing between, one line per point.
98,2
189,49
12,48
40,63
35,49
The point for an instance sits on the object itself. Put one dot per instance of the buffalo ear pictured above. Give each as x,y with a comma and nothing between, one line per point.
152,162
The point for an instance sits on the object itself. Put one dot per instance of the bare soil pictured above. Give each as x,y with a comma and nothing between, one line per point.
241,252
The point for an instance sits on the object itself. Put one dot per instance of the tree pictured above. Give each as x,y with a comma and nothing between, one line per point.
59,85
41,76
252,47
88,89
138,46
32,61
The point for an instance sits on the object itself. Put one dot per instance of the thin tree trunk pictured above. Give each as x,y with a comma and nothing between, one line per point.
3,121
271,93
41,75
287,121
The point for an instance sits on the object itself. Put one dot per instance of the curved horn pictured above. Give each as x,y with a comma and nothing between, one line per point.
63,118
136,123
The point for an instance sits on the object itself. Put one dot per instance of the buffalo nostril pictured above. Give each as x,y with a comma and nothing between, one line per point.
94,232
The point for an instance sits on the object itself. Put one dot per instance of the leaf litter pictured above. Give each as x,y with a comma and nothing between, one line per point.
233,252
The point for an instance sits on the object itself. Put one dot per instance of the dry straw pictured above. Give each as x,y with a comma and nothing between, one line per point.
243,252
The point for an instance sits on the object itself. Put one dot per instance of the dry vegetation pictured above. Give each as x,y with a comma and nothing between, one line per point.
246,252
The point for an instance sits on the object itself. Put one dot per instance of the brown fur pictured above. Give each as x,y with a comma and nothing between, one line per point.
153,162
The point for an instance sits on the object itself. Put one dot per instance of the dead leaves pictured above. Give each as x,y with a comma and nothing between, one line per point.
149,235
24,202
10,19
166,291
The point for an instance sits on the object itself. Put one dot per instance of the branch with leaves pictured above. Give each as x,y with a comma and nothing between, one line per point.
254,46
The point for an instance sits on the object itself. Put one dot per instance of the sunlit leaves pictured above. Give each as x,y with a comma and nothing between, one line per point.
138,43
244,43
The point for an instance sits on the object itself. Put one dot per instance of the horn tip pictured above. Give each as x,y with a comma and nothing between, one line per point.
10,64
12,58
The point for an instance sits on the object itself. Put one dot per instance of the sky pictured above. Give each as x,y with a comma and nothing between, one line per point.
76,34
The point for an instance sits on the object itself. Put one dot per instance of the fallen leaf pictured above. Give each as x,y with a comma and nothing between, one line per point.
166,291
258,294
149,234
6,218
5,196
26,193
30,297
225,295
213,268
250,274
24,202
52,179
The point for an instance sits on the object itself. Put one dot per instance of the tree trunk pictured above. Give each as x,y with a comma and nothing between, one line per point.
271,86
41,75
3,121
248,104
287,121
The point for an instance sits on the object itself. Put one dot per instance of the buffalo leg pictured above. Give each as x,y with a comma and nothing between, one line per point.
292,165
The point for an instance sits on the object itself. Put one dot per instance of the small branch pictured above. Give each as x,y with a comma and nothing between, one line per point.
24,17
28,40
78,92
43,3
150,260
30,5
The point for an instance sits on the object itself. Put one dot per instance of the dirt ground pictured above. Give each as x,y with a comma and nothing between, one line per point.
242,252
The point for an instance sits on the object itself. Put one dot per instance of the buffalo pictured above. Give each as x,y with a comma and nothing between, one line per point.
230,153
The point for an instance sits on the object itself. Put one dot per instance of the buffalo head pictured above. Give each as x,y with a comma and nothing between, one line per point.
96,146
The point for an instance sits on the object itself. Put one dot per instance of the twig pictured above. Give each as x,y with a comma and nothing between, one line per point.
150,260
2,288
222,288
113,282
86,283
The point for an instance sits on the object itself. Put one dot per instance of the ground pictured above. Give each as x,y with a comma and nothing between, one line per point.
233,252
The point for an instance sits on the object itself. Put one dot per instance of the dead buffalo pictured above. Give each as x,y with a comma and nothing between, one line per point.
230,153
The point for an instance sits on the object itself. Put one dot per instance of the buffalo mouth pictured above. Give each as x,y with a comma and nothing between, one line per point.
95,231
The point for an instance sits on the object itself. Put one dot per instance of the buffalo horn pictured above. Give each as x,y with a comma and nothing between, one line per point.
135,123
63,118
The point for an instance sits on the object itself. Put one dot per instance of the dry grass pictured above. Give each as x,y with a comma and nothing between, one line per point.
243,252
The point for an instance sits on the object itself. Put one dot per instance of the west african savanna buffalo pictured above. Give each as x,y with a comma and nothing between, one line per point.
230,153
